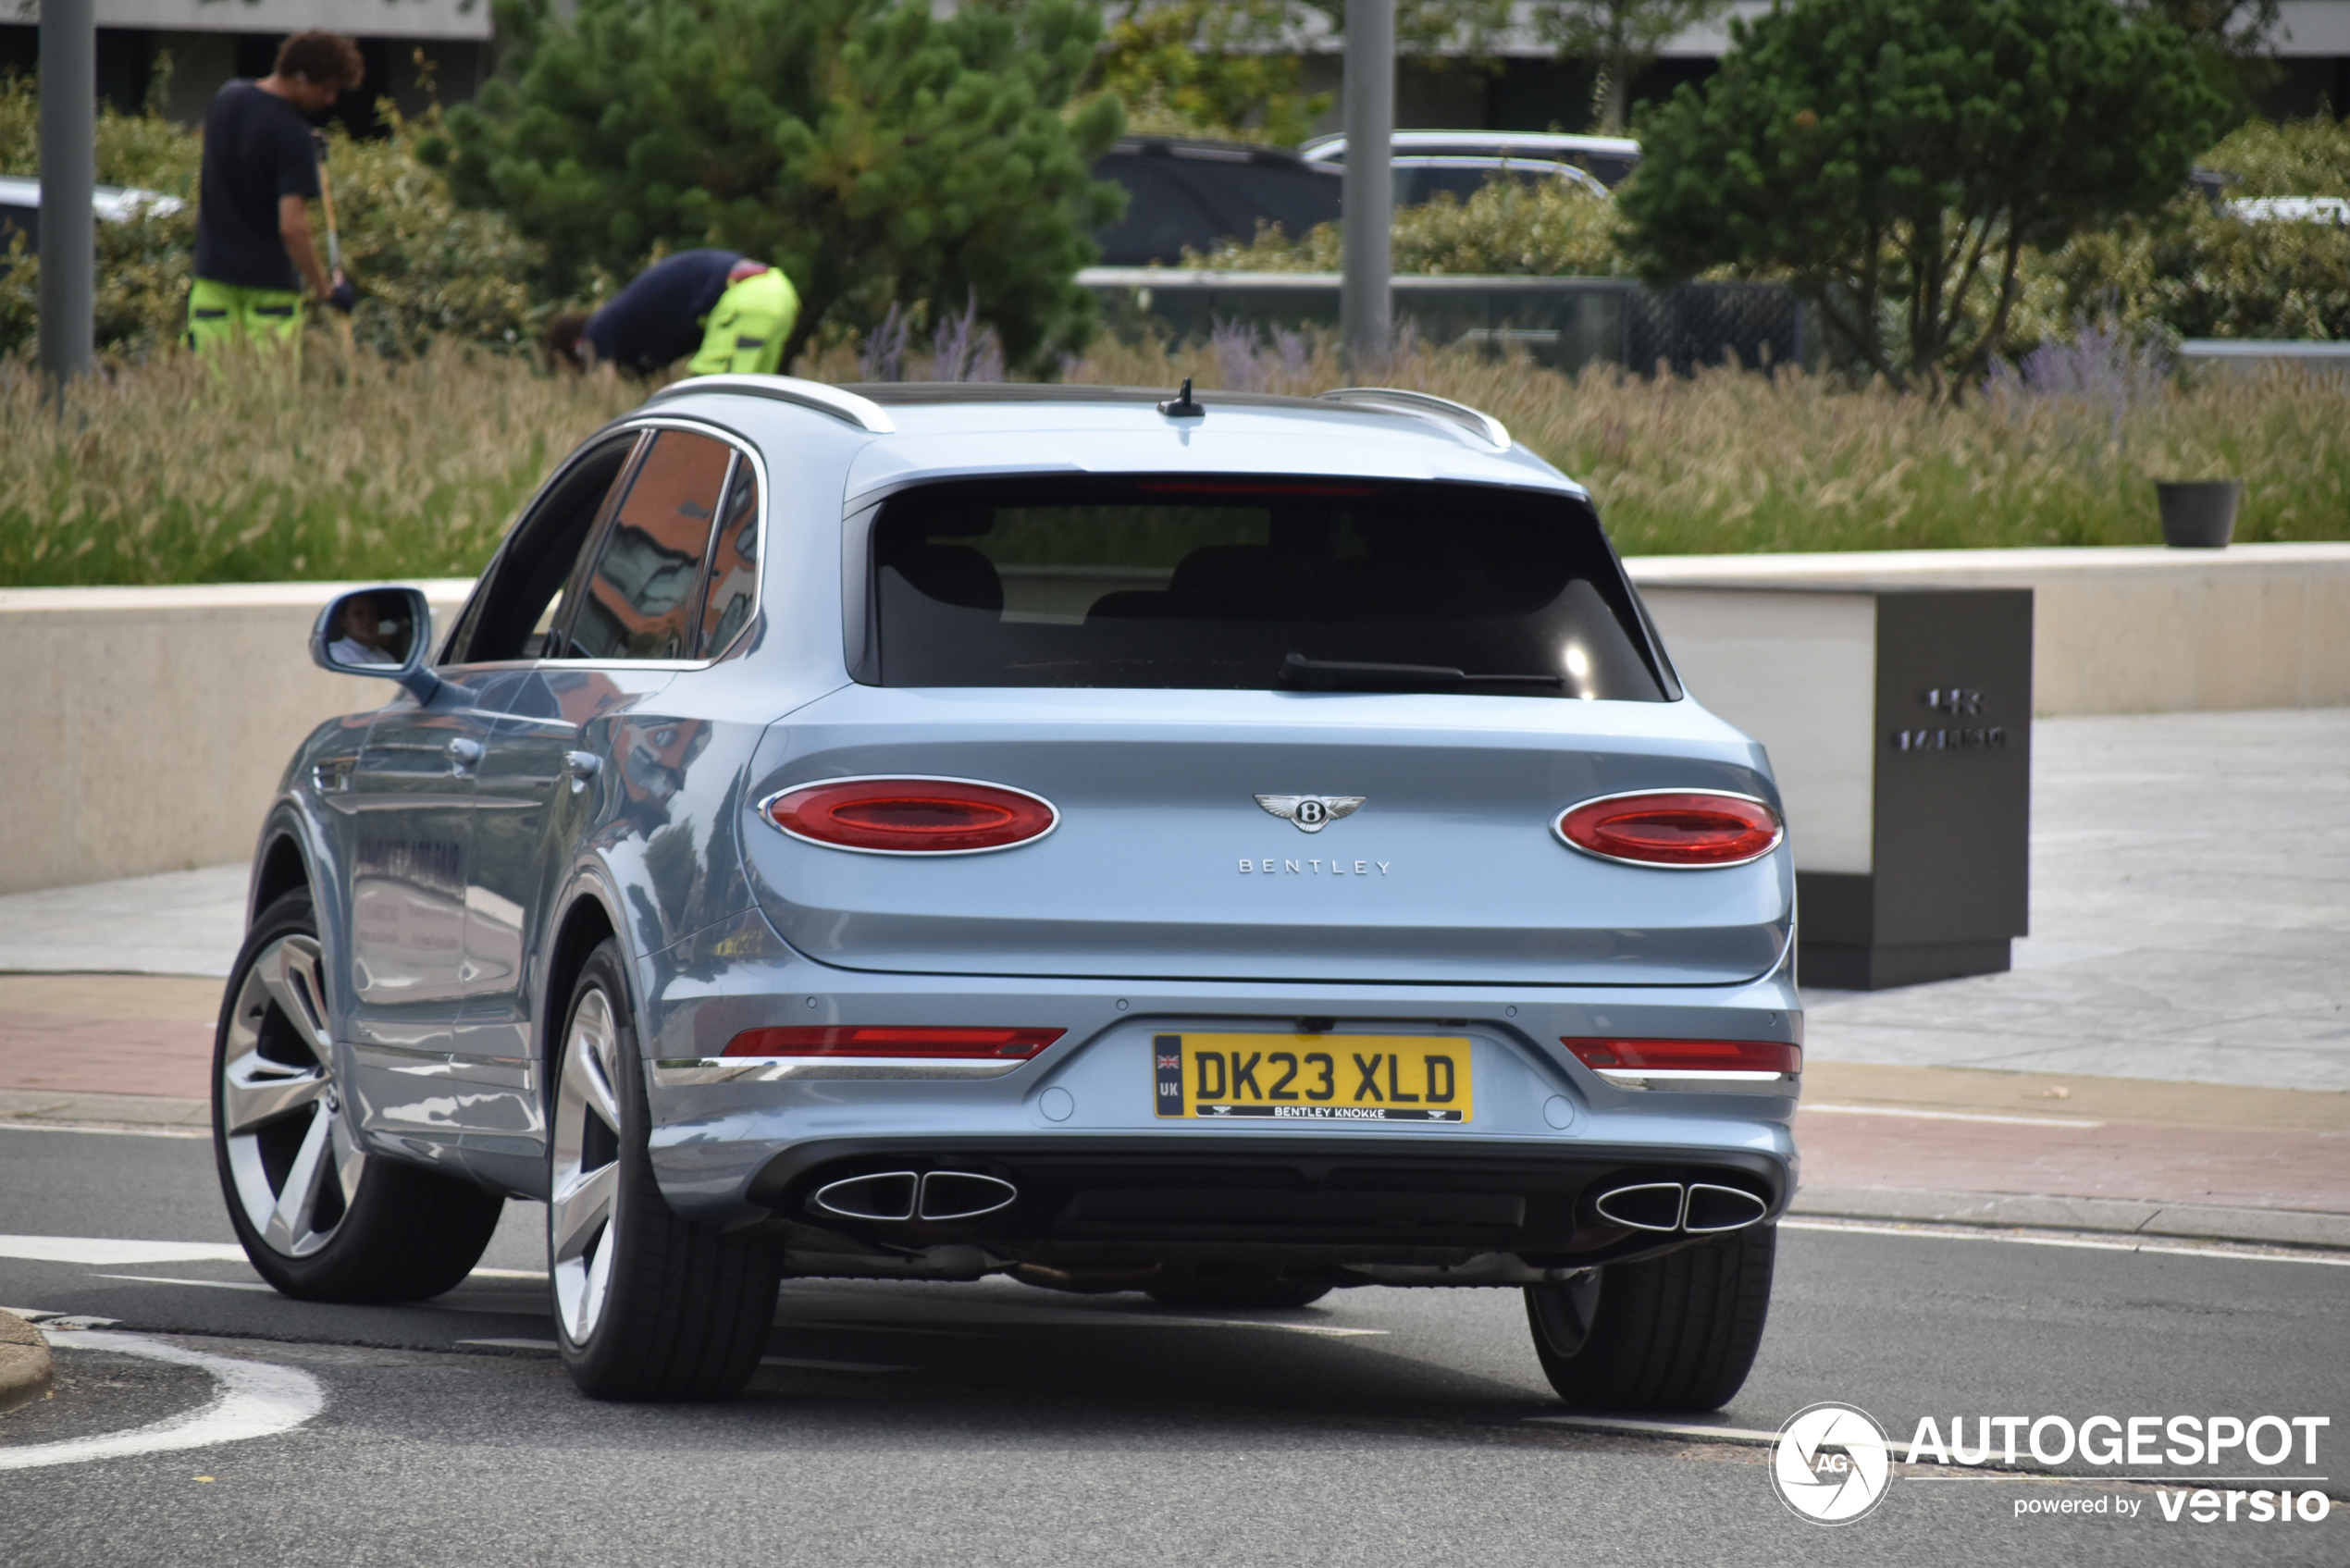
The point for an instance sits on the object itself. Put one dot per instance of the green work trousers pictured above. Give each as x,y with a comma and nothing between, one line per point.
224,313
746,332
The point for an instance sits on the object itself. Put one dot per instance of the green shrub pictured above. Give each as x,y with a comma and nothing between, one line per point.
1541,228
2303,157
2196,270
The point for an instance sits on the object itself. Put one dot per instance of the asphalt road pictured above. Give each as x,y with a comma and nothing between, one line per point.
992,1423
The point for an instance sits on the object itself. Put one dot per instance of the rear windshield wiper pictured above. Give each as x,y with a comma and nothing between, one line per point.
1337,674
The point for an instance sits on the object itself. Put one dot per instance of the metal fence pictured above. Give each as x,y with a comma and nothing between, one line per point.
1565,323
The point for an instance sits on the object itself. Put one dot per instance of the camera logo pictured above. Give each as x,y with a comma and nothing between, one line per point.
1831,1464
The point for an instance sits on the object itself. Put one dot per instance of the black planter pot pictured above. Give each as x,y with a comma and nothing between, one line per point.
2198,514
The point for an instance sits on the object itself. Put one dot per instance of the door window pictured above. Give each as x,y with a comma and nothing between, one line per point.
644,597
513,611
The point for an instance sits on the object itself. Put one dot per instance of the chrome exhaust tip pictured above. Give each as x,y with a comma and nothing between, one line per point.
961,1194
890,1195
1651,1206
900,1195
1715,1209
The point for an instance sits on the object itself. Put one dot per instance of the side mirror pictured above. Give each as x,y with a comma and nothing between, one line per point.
385,632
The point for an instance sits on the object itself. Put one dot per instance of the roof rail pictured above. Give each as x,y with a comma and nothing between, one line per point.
863,413
1477,423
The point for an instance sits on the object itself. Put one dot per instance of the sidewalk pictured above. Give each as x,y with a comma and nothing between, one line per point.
2171,1056
2190,915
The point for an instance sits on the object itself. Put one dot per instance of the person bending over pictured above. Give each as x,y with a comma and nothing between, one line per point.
730,312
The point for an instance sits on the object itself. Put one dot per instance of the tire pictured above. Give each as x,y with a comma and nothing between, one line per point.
647,1305
1234,1286
1674,1333
321,1219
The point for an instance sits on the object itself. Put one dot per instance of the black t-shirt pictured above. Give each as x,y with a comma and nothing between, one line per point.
658,317
256,148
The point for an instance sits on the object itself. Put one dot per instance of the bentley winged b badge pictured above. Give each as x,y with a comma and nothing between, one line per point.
1312,813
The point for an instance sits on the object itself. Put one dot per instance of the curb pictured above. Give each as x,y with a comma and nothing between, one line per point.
24,1364
2201,1222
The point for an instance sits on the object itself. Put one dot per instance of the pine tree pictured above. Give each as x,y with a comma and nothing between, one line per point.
879,154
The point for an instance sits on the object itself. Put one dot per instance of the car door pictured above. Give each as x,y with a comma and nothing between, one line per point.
409,811
406,813
648,603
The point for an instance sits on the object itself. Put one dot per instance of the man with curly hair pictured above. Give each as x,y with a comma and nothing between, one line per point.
253,249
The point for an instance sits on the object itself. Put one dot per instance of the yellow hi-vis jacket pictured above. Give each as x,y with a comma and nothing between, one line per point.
747,328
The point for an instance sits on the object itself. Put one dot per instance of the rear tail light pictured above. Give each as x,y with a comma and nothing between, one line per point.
1730,1060
966,1044
1686,829
912,816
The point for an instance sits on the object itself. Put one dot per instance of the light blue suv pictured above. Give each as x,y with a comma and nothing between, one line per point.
1227,847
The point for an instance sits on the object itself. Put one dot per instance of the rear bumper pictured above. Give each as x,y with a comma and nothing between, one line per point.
1092,1203
1102,1177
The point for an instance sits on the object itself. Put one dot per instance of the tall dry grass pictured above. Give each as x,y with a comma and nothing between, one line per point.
1732,462
345,467
163,473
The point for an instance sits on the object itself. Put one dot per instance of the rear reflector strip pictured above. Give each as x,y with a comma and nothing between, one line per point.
1682,830
1724,1060
966,1044
912,816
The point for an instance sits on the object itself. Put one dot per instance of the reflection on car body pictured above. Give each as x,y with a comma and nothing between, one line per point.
838,878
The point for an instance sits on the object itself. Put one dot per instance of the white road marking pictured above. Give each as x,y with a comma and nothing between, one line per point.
1946,1115
508,1274
114,1131
257,1400
1743,1436
106,1252
547,1345
207,1284
2084,1242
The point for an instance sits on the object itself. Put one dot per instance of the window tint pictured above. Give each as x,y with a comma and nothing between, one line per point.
734,565
642,599
512,610
1252,585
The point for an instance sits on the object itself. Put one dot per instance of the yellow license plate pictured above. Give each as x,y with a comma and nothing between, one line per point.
1313,1077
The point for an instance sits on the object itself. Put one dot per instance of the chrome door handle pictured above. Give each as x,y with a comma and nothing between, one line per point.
462,754
582,764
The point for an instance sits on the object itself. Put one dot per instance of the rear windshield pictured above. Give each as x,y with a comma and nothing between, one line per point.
1251,584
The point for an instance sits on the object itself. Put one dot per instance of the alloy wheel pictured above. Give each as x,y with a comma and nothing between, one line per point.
295,1166
582,1207
1564,1313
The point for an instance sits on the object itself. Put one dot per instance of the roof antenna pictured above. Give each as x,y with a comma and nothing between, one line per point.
1180,406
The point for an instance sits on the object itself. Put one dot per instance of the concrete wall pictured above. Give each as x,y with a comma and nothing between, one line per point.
147,727
2116,631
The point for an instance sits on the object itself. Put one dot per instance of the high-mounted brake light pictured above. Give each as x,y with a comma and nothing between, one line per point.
1728,1059
992,1044
1689,830
912,816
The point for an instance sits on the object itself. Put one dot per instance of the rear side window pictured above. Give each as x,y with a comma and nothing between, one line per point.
644,598
1251,584
734,565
